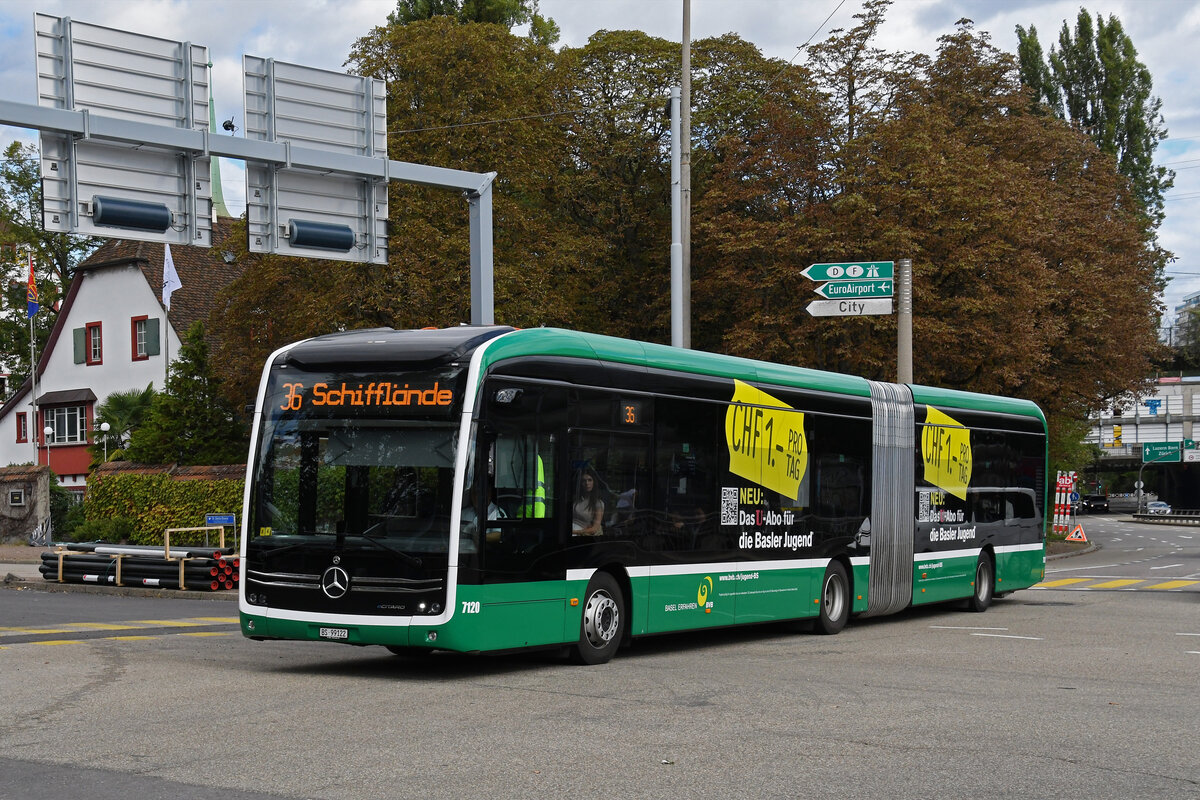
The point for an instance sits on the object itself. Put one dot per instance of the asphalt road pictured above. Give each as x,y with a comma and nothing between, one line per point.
1059,691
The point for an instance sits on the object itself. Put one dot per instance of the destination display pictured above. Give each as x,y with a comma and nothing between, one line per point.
422,393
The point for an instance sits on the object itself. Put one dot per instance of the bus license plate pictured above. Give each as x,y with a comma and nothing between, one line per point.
335,633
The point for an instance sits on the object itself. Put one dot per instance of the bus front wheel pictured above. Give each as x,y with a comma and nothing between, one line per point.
603,621
985,574
835,599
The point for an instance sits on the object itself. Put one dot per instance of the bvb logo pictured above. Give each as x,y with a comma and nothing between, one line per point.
706,586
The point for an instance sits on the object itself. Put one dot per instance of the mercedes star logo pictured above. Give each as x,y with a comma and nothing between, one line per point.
335,582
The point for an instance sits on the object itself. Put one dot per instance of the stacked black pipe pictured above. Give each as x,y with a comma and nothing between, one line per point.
204,569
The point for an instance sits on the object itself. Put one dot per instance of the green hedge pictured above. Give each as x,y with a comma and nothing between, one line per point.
153,503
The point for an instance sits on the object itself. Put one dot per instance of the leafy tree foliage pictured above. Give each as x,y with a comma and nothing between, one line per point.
189,423
55,257
1094,80
1032,267
1036,270
509,13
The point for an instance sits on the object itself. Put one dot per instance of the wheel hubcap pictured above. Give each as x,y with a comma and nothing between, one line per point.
834,597
600,619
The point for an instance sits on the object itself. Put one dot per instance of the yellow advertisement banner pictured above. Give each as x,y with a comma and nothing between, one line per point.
946,450
766,440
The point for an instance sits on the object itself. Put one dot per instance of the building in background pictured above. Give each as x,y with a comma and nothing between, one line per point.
112,334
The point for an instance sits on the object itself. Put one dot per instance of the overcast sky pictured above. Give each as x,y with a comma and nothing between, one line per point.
319,33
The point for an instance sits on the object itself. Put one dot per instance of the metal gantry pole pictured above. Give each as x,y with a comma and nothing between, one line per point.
685,176
676,226
904,373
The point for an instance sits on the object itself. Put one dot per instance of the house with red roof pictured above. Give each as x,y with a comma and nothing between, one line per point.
113,334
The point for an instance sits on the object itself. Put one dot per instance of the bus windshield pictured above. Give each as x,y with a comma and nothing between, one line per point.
358,468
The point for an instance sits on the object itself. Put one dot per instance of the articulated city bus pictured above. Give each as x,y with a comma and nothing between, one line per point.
485,489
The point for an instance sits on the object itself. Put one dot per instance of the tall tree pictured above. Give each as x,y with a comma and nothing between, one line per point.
55,257
509,13
1095,81
189,422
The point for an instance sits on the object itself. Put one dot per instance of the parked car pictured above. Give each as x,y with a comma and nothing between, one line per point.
1158,507
1095,504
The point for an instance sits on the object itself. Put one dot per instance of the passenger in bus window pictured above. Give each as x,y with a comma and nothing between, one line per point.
587,514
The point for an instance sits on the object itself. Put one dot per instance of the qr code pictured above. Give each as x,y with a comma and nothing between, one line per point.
729,505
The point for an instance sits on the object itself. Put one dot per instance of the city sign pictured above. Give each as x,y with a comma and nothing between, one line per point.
839,290
1161,452
850,271
849,308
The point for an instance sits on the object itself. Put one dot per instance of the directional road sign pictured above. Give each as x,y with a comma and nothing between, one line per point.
850,271
1160,452
839,290
849,308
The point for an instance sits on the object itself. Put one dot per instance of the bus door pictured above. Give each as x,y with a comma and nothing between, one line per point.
510,519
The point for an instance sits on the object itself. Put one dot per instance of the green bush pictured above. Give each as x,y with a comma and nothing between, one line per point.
153,503
114,530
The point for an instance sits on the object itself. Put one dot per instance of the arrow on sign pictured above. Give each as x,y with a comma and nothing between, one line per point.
849,308
850,271
838,290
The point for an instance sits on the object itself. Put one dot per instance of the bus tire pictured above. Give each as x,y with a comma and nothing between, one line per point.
603,623
985,580
835,599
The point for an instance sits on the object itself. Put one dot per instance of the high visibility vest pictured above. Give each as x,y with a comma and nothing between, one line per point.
535,496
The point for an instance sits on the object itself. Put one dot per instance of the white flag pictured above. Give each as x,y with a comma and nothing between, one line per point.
171,280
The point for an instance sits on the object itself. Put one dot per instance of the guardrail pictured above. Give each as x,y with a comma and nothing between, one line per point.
1180,516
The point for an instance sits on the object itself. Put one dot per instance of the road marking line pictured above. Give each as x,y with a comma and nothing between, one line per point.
1007,636
1172,584
102,626
166,623
131,638
230,620
1117,584
59,641
1060,582
1167,566
1187,634
964,628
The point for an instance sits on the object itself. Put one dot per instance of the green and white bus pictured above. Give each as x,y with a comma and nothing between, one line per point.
416,490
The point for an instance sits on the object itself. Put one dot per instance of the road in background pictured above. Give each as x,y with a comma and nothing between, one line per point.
1131,556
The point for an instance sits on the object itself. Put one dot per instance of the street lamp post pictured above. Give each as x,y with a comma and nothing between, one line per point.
104,428
47,432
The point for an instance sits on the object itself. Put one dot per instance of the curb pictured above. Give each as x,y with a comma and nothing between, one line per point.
1091,548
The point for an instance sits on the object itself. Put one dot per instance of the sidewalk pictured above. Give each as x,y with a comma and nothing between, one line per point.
19,570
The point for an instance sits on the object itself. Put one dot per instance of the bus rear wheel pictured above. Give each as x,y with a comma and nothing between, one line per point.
985,575
835,599
603,622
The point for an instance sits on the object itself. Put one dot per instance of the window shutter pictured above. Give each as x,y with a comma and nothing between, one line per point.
79,335
152,337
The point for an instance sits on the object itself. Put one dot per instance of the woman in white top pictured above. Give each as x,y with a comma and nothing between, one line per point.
588,512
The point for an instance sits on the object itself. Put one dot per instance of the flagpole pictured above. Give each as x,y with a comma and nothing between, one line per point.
33,423
34,426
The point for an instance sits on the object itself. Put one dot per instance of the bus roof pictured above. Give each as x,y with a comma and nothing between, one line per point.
577,344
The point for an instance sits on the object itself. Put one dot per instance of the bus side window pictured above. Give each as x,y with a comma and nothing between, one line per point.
687,463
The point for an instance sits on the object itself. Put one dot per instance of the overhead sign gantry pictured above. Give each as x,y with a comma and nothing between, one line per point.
124,117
